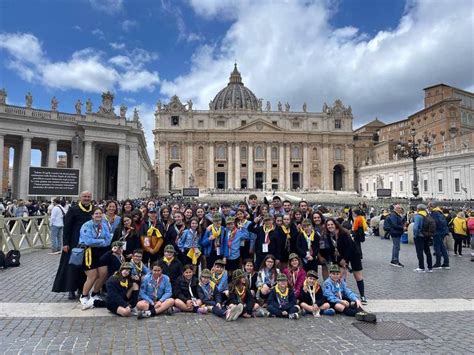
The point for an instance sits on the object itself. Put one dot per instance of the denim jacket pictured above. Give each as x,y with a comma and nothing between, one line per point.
151,293
187,242
90,236
208,245
331,290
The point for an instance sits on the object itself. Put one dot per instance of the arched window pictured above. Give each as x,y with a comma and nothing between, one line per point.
200,153
175,152
259,152
295,152
274,153
338,154
243,153
220,152
315,153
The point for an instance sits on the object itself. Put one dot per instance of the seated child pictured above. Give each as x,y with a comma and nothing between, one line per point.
342,299
241,301
122,292
209,295
251,275
155,293
185,291
219,276
312,300
282,300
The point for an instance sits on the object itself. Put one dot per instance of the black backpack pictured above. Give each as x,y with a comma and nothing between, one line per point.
429,226
3,262
13,258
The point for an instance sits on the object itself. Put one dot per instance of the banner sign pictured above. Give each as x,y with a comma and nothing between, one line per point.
53,182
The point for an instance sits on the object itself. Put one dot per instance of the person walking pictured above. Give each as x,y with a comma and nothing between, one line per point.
442,231
395,225
470,228
422,241
57,224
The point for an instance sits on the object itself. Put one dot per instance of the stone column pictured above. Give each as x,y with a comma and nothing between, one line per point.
325,167
134,184
122,186
306,167
288,166
87,167
237,166
281,167
210,174
250,174
230,167
2,152
162,177
16,171
53,153
24,167
190,163
349,156
268,172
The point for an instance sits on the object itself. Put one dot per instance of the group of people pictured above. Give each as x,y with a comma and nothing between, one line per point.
432,224
251,259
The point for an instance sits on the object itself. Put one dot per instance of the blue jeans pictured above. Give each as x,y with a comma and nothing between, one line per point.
440,250
395,249
56,238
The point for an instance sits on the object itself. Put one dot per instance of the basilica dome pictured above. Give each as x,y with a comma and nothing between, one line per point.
235,96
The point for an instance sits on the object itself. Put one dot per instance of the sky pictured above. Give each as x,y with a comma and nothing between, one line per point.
374,55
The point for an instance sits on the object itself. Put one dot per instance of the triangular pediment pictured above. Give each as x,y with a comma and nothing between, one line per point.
259,126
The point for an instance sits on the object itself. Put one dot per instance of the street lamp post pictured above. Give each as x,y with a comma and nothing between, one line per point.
414,149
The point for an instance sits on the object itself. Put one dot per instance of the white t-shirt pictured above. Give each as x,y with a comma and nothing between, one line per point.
57,216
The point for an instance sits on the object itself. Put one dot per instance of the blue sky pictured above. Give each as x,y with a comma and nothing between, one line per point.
375,55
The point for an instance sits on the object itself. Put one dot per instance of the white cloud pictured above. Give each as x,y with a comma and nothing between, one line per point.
127,25
146,113
77,28
110,7
137,80
117,46
290,52
98,33
87,69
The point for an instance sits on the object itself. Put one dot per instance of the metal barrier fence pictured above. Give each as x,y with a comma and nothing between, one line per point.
24,233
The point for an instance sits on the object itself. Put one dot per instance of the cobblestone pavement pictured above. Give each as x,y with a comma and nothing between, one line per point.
447,332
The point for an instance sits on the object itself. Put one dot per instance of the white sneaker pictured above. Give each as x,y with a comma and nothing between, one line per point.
429,270
239,310
134,311
419,270
87,303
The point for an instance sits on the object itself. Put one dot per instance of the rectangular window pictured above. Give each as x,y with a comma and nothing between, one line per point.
401,185
296,166
295,125
374,186
391,185
243,165
457,185
220,165
243,123
337,124
366,186
200,123
220,123
175,120
275,123
274,165
440,185
425,185
315,125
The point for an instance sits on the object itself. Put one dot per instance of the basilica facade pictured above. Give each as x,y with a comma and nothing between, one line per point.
241,143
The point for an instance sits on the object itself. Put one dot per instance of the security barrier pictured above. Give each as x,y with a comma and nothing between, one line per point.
23,233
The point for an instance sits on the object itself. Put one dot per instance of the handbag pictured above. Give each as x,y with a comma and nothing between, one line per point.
77,256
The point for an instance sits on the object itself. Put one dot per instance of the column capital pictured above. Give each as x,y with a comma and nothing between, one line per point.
53,140
27,138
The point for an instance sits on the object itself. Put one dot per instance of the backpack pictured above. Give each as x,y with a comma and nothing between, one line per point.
470,225
13,258
429,226
3,262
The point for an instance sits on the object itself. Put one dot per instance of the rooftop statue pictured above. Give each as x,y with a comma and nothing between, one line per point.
78,107
29,100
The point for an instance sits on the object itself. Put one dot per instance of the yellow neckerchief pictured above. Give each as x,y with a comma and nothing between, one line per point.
204,287
267,232
156,287
152,229
216,277
215,232
240,294
311,236
241,224
294,275
307,287
286,231
124,283
168,261
283,294
139,267
422,213
437,209
84,209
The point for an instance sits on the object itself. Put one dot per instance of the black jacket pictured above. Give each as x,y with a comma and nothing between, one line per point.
248,301
346,247
275,247
69,278
273,300
173,270
302,245
116,293
181,288
210,299
112,261
306,297
131,239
